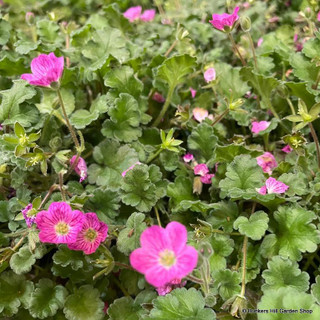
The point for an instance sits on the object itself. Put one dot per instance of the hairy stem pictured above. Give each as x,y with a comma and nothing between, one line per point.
315,85
235,49
165,107
316,141
152,157
157,215
253,50
220,117
73,134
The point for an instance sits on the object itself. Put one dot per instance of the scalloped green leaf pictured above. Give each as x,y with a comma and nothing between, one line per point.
227,283
22,261
254,227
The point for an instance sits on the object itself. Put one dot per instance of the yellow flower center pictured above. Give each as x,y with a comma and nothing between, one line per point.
167,258
90,235
62,228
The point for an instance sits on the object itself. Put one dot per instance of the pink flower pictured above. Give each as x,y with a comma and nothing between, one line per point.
221,21
193,92
201,169
267,162
30,220
80,168
188,157
273,186
287,149
59,224
259,126
206,179
318,16
158,97
148,15
133,13
93,232
29,18
130,168
168,287
274,19
45,70
200,114
210,75
259,43
164,255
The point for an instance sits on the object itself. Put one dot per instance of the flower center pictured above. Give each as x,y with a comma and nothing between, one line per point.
62,228
167,258
90,235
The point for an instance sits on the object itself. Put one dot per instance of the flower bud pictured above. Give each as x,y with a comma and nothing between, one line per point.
245,23
30,18
283,91
236,104
308,13
197,185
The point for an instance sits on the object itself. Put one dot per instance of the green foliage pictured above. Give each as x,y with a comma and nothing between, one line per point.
294,233
84,304
227,283
254,227
129,237
181,304
243,176
142,187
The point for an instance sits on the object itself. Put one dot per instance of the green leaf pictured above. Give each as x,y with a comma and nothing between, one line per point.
222,247
230,81
12,67
203,141
47,299
48,32
178,191
227,283
311,49
65,257
15,291
283,273
243,176
315,289
105,203
105,42
129,237
254,227
142,187
173,70
286,299
262,84
84,304
113,159
25,46
125,308
229,152
5,28
294,233
22,261
297,183
124,120
123,81
13,97
181,304
303,68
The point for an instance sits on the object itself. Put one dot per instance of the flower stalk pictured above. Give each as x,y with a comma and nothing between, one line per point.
164,108
236,49
316,141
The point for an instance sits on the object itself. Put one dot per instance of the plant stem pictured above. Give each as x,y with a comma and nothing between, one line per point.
157,215
235,48
52,188
316,141
165,107
152,157
253,50
67,47
73,134
220,117
266,141
15,234
194,279
226,233
315,85
244,262
61,187
171,48
291,106
123,265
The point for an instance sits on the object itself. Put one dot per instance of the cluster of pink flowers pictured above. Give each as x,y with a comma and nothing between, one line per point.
202,170
200,114
225,22
134,13
45,70
164,257
30,220
267,162
273,186
80,167
61,224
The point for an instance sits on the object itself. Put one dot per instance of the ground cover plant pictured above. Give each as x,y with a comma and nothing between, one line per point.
159,159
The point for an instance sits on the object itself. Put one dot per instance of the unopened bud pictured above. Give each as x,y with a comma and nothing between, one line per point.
236,104
197,185
30,18
245,23
308,13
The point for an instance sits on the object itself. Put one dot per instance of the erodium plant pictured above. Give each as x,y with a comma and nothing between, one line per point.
159,160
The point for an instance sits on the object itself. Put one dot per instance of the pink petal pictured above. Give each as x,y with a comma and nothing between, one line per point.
142,260
200,114
201,169
186,262
154,239
188,157
259,126
262,190
193,92
207,178
275,186
148,15
210,75
177,235
133,13
287,149
159,276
